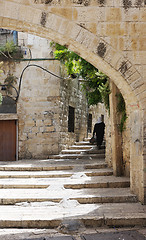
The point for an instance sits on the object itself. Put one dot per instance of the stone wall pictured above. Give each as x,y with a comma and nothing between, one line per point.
126,148
38,105
38,111
96,112
72,95
44,102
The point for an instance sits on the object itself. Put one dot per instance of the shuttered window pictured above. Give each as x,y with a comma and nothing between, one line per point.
71,119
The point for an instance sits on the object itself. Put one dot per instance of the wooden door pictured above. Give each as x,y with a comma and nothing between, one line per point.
8,140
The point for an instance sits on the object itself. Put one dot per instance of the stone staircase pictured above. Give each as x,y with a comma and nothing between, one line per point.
75,185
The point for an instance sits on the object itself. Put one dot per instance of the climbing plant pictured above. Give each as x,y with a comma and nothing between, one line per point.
10,51
105,91
9,81
94,82
121,109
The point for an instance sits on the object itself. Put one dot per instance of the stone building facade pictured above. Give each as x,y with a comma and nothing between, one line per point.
111,36
44,102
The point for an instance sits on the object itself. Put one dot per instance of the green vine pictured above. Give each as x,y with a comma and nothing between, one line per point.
105,92
121,109
95,83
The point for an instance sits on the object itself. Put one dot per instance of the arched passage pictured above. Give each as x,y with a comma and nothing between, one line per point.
40,20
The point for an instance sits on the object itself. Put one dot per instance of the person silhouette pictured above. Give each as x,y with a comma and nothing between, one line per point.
99,132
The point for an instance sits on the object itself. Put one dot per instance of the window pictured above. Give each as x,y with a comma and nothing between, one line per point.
71,119
89,123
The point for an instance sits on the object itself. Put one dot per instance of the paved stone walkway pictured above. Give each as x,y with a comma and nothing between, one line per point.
68,192
80,234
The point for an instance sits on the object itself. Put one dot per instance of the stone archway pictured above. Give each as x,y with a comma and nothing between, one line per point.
59,24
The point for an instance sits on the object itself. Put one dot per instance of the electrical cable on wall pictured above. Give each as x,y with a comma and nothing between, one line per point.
33,65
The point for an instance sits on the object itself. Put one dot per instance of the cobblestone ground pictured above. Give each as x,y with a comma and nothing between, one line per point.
78,234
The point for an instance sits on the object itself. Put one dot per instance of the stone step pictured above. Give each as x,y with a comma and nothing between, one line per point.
22,186
33,174
95,166
53,215
99,170
82,151
78,156
97,182
35,168
58,193
84,147
51,165
87,140
70,186
95,151
83,143
88,143
76,181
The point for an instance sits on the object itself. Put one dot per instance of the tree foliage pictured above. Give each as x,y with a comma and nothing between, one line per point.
94,81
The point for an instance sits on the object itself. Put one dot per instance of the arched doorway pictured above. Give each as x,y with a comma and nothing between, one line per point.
39,20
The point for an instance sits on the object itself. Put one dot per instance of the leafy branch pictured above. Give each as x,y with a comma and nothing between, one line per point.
93,78
105,92
121,109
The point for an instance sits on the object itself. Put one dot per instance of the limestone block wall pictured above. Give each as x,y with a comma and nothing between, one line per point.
126,148
72,95
38,112
44,101
38,105
97,111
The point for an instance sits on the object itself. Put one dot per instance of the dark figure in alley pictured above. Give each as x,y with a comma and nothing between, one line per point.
99,131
